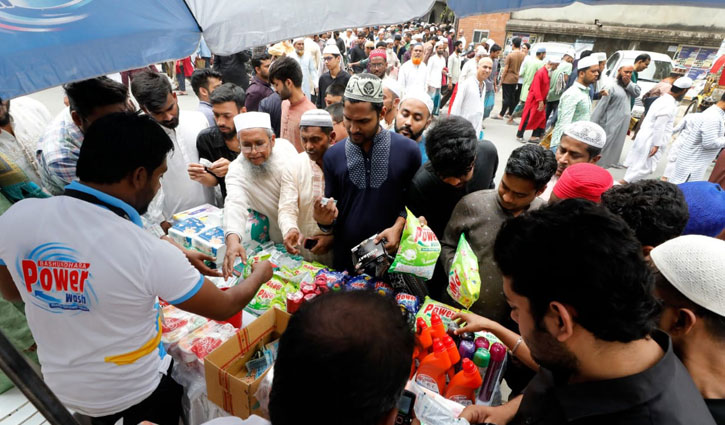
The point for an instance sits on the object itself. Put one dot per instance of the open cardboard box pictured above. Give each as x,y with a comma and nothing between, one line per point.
226,383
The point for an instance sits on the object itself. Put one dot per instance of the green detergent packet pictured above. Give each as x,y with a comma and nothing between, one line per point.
419,249
464,282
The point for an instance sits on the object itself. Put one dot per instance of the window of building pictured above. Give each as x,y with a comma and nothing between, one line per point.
479,36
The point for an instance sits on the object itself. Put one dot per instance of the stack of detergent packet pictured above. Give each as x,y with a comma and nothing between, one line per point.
200,228
464,368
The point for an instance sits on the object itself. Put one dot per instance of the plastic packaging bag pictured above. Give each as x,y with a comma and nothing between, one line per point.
419,249
464,282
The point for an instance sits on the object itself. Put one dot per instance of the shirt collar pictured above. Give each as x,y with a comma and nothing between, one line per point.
616,395
205,103
129,210
581,86
261,81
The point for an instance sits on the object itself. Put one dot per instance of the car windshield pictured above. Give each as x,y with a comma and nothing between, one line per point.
656,71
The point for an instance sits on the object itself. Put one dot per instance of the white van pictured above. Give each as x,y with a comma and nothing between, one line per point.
660,67
553,50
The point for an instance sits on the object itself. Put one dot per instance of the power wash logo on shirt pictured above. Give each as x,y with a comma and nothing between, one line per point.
39,15
57,280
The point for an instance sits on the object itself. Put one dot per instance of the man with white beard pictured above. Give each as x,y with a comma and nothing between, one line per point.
253,181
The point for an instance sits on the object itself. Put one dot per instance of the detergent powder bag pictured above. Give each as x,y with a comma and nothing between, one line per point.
419,250
464,282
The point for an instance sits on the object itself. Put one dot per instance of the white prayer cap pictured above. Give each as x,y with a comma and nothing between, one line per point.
480,51
316,118
441,43
247,120
587,132
418,36
348,30
588,61
420,95
331,49
297,40
683,83
552,59
490,42
601,56
389,41
571,53
695,266
392,85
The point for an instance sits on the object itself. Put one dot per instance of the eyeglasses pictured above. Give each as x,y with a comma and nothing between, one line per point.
328,58
377,65
257,146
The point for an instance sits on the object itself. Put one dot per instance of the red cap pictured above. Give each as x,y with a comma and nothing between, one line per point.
448,342
468,366
435,319
583,180
420,324
438,346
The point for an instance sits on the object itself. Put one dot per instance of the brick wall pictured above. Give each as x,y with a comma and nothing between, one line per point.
495,23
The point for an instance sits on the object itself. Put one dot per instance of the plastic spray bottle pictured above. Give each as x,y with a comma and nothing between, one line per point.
463,386
432,370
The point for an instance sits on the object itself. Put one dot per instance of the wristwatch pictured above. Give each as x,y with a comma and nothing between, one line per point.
327,229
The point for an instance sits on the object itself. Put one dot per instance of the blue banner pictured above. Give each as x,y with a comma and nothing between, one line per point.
44,43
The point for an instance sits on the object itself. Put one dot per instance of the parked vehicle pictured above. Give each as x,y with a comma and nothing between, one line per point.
553,50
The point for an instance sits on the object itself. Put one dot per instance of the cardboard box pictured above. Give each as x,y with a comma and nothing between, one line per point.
226,383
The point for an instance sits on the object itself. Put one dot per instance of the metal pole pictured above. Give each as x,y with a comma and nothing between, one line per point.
16,367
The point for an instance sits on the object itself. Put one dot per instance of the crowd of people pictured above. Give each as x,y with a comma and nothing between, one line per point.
608,294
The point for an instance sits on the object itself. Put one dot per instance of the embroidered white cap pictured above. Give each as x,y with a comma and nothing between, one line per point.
247,120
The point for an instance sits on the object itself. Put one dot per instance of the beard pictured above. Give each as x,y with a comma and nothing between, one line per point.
550,353
411,135
262,170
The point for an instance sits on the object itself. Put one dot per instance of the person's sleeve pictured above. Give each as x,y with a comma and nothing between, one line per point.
154,215
712,134
236,203
313,74
659,136
402,77
288,208
566,113
538,88
170,275
201,146
331,189
633,90
458,101
453,231
414,198
600,110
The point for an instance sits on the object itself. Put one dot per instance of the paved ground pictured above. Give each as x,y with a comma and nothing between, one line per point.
501,134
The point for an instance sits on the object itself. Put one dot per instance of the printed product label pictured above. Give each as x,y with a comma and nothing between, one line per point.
427,382
460,399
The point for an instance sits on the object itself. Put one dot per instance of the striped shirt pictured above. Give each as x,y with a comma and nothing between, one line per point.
699,146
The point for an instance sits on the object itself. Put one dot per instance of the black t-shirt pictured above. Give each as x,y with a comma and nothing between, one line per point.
434,199
326,81
717,409
211,146
663,394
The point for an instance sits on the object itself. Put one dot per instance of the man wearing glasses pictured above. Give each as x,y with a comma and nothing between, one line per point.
253,181
333,61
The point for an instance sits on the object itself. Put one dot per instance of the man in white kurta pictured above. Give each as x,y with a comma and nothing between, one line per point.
656,132
699,146
309,67
436,65
471,94
253,181
303,182
413,74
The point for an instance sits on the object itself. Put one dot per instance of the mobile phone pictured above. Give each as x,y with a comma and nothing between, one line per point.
405,408
310,243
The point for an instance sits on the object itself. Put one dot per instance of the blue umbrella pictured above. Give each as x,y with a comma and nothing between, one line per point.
44,43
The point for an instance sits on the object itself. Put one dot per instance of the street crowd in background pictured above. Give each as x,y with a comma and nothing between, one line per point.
611,291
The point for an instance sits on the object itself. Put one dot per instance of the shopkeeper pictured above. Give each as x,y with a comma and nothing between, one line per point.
89,276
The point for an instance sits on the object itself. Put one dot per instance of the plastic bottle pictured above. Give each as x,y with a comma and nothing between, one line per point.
423,337
463,386
466,349
413,363
498,355
453,355
432,370
438,329
482,342
482,358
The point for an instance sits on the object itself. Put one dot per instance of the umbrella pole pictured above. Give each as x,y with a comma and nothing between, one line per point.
16,367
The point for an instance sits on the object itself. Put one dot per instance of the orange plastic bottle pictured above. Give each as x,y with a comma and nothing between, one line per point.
424,337
413,365
463,386
453,354
432,370
438,329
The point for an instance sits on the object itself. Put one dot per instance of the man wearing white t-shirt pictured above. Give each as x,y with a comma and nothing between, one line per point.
154,94
90,277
